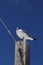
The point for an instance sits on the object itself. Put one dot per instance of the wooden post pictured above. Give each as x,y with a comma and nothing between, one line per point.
22,53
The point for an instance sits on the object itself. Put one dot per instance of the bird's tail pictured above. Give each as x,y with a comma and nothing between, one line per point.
31,38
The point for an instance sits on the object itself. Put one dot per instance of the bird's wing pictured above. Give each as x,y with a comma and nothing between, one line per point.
27,33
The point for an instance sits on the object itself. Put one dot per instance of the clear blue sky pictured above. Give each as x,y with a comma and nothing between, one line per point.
28,15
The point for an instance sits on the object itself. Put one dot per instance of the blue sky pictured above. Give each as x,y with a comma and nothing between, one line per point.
28,15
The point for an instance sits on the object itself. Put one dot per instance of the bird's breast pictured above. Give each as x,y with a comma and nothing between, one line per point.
20,34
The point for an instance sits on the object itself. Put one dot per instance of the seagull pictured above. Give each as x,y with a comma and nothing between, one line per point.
23,34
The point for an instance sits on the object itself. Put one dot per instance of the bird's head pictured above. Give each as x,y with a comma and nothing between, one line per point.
17,28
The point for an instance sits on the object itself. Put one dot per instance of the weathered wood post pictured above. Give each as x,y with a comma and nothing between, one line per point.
22,53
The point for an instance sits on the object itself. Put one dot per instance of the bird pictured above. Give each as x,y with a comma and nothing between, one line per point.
23,34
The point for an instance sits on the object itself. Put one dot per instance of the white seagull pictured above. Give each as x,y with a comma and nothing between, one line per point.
23,34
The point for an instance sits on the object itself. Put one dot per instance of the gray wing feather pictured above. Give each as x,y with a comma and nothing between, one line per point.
27,33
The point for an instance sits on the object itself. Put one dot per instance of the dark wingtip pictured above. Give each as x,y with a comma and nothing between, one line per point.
35,39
